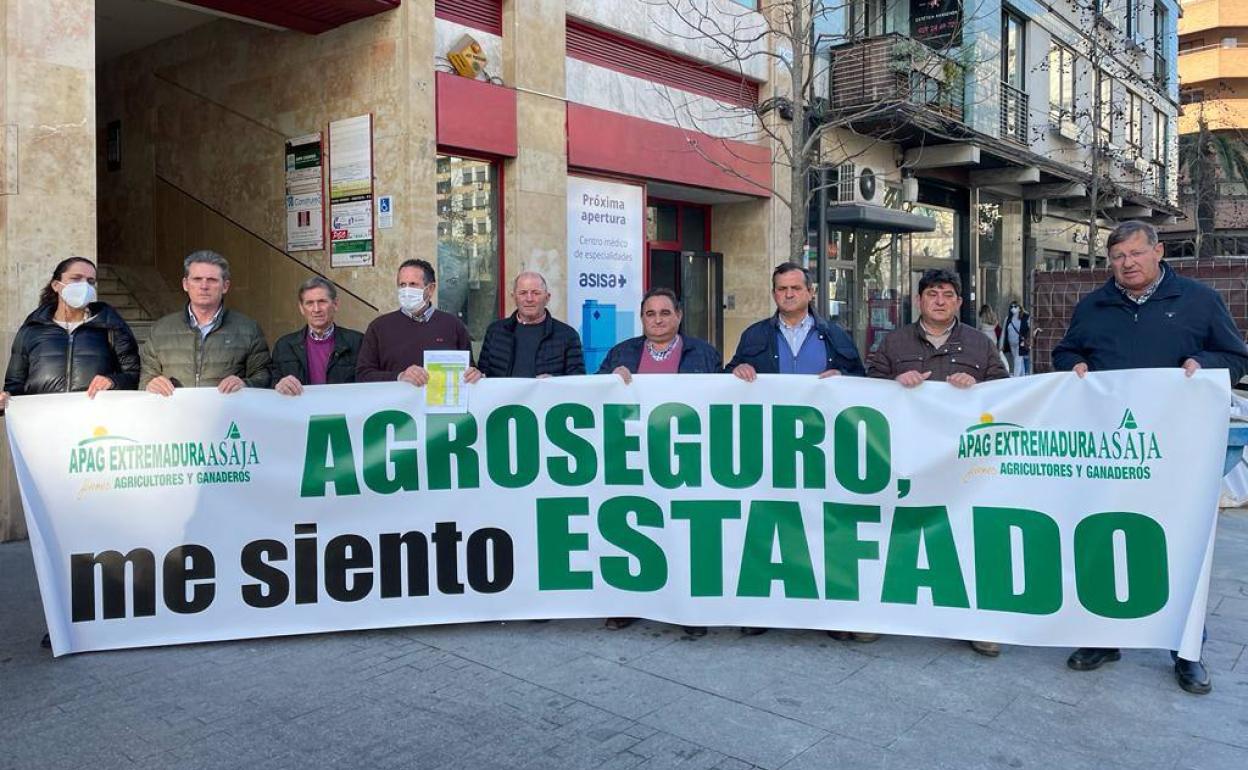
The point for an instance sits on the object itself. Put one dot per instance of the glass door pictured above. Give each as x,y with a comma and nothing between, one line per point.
701,291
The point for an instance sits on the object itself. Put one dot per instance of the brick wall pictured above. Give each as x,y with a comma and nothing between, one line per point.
1056,292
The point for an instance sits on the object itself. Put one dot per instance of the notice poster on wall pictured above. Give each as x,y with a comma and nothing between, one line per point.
305,203
938,23
606,272
351,192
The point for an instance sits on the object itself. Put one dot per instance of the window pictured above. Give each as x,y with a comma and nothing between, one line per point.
1159,136
867,18
1161,132
1161,29
1105,128
1135,123
1191,95
1131,20
469,258
1061,82
1013,53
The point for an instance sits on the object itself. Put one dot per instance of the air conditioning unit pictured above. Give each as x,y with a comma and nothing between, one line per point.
1065,127
856,184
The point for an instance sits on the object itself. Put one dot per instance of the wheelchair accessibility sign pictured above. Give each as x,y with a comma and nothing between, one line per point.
385,211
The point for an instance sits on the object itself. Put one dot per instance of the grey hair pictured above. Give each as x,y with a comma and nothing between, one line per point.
530,274
318,282
1128,230
206,257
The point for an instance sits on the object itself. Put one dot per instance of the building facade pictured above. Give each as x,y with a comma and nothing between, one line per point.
1005,125
1213,76
612,146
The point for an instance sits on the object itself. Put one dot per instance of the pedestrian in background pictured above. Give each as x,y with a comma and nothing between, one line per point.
1016,339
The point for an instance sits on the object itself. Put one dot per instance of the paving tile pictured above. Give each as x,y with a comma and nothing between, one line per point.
735,729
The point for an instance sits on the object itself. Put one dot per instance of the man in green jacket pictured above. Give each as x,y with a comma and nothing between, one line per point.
205,345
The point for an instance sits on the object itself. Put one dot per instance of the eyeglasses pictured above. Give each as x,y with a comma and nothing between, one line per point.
1137,254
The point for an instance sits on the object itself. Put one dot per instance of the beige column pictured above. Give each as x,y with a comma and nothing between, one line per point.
535,182
47,164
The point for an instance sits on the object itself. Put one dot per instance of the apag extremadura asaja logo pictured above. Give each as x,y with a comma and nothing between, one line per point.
1120,454
113,461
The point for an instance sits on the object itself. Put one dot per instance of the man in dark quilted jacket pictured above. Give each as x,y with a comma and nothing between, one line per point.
529,342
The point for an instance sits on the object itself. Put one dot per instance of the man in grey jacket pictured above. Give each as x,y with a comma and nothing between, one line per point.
205,345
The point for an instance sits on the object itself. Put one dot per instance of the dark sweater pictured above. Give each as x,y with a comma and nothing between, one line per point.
395,341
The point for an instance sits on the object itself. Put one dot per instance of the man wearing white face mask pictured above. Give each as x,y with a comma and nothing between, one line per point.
395,343
71,342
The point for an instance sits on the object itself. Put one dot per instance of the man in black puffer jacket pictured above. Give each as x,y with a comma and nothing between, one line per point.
529,342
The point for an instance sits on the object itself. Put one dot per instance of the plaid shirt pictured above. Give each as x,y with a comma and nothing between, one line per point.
1148,292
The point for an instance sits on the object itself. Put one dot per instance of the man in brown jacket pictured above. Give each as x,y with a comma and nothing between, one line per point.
938,347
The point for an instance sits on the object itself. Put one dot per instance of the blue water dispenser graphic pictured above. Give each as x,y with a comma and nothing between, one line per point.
601,328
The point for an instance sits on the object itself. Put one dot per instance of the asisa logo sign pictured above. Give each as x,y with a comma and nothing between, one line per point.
127,463
1120,453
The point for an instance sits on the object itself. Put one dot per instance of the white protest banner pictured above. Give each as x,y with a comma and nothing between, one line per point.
1046,510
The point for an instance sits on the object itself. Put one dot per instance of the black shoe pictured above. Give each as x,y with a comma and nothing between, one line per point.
615,624
1192,676
753,630
46,642
1088,658
695,631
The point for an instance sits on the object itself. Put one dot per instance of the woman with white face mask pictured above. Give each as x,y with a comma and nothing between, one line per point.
71,342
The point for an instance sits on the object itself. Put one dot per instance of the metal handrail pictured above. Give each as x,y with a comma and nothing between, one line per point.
1211,46
1015,109
868,73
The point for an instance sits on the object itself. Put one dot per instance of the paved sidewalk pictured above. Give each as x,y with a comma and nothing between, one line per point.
570,694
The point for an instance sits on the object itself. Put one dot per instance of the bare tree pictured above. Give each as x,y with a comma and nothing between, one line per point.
804,50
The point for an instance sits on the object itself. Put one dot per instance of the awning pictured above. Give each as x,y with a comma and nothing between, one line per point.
311,16
865,216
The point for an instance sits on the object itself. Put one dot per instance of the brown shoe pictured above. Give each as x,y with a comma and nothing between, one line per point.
865,638
991,649
615,624
841,636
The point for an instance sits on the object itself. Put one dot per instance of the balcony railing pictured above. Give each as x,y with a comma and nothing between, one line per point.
1014,111
874,77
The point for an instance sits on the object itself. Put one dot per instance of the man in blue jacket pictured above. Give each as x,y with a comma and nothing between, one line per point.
794,340
1147,316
